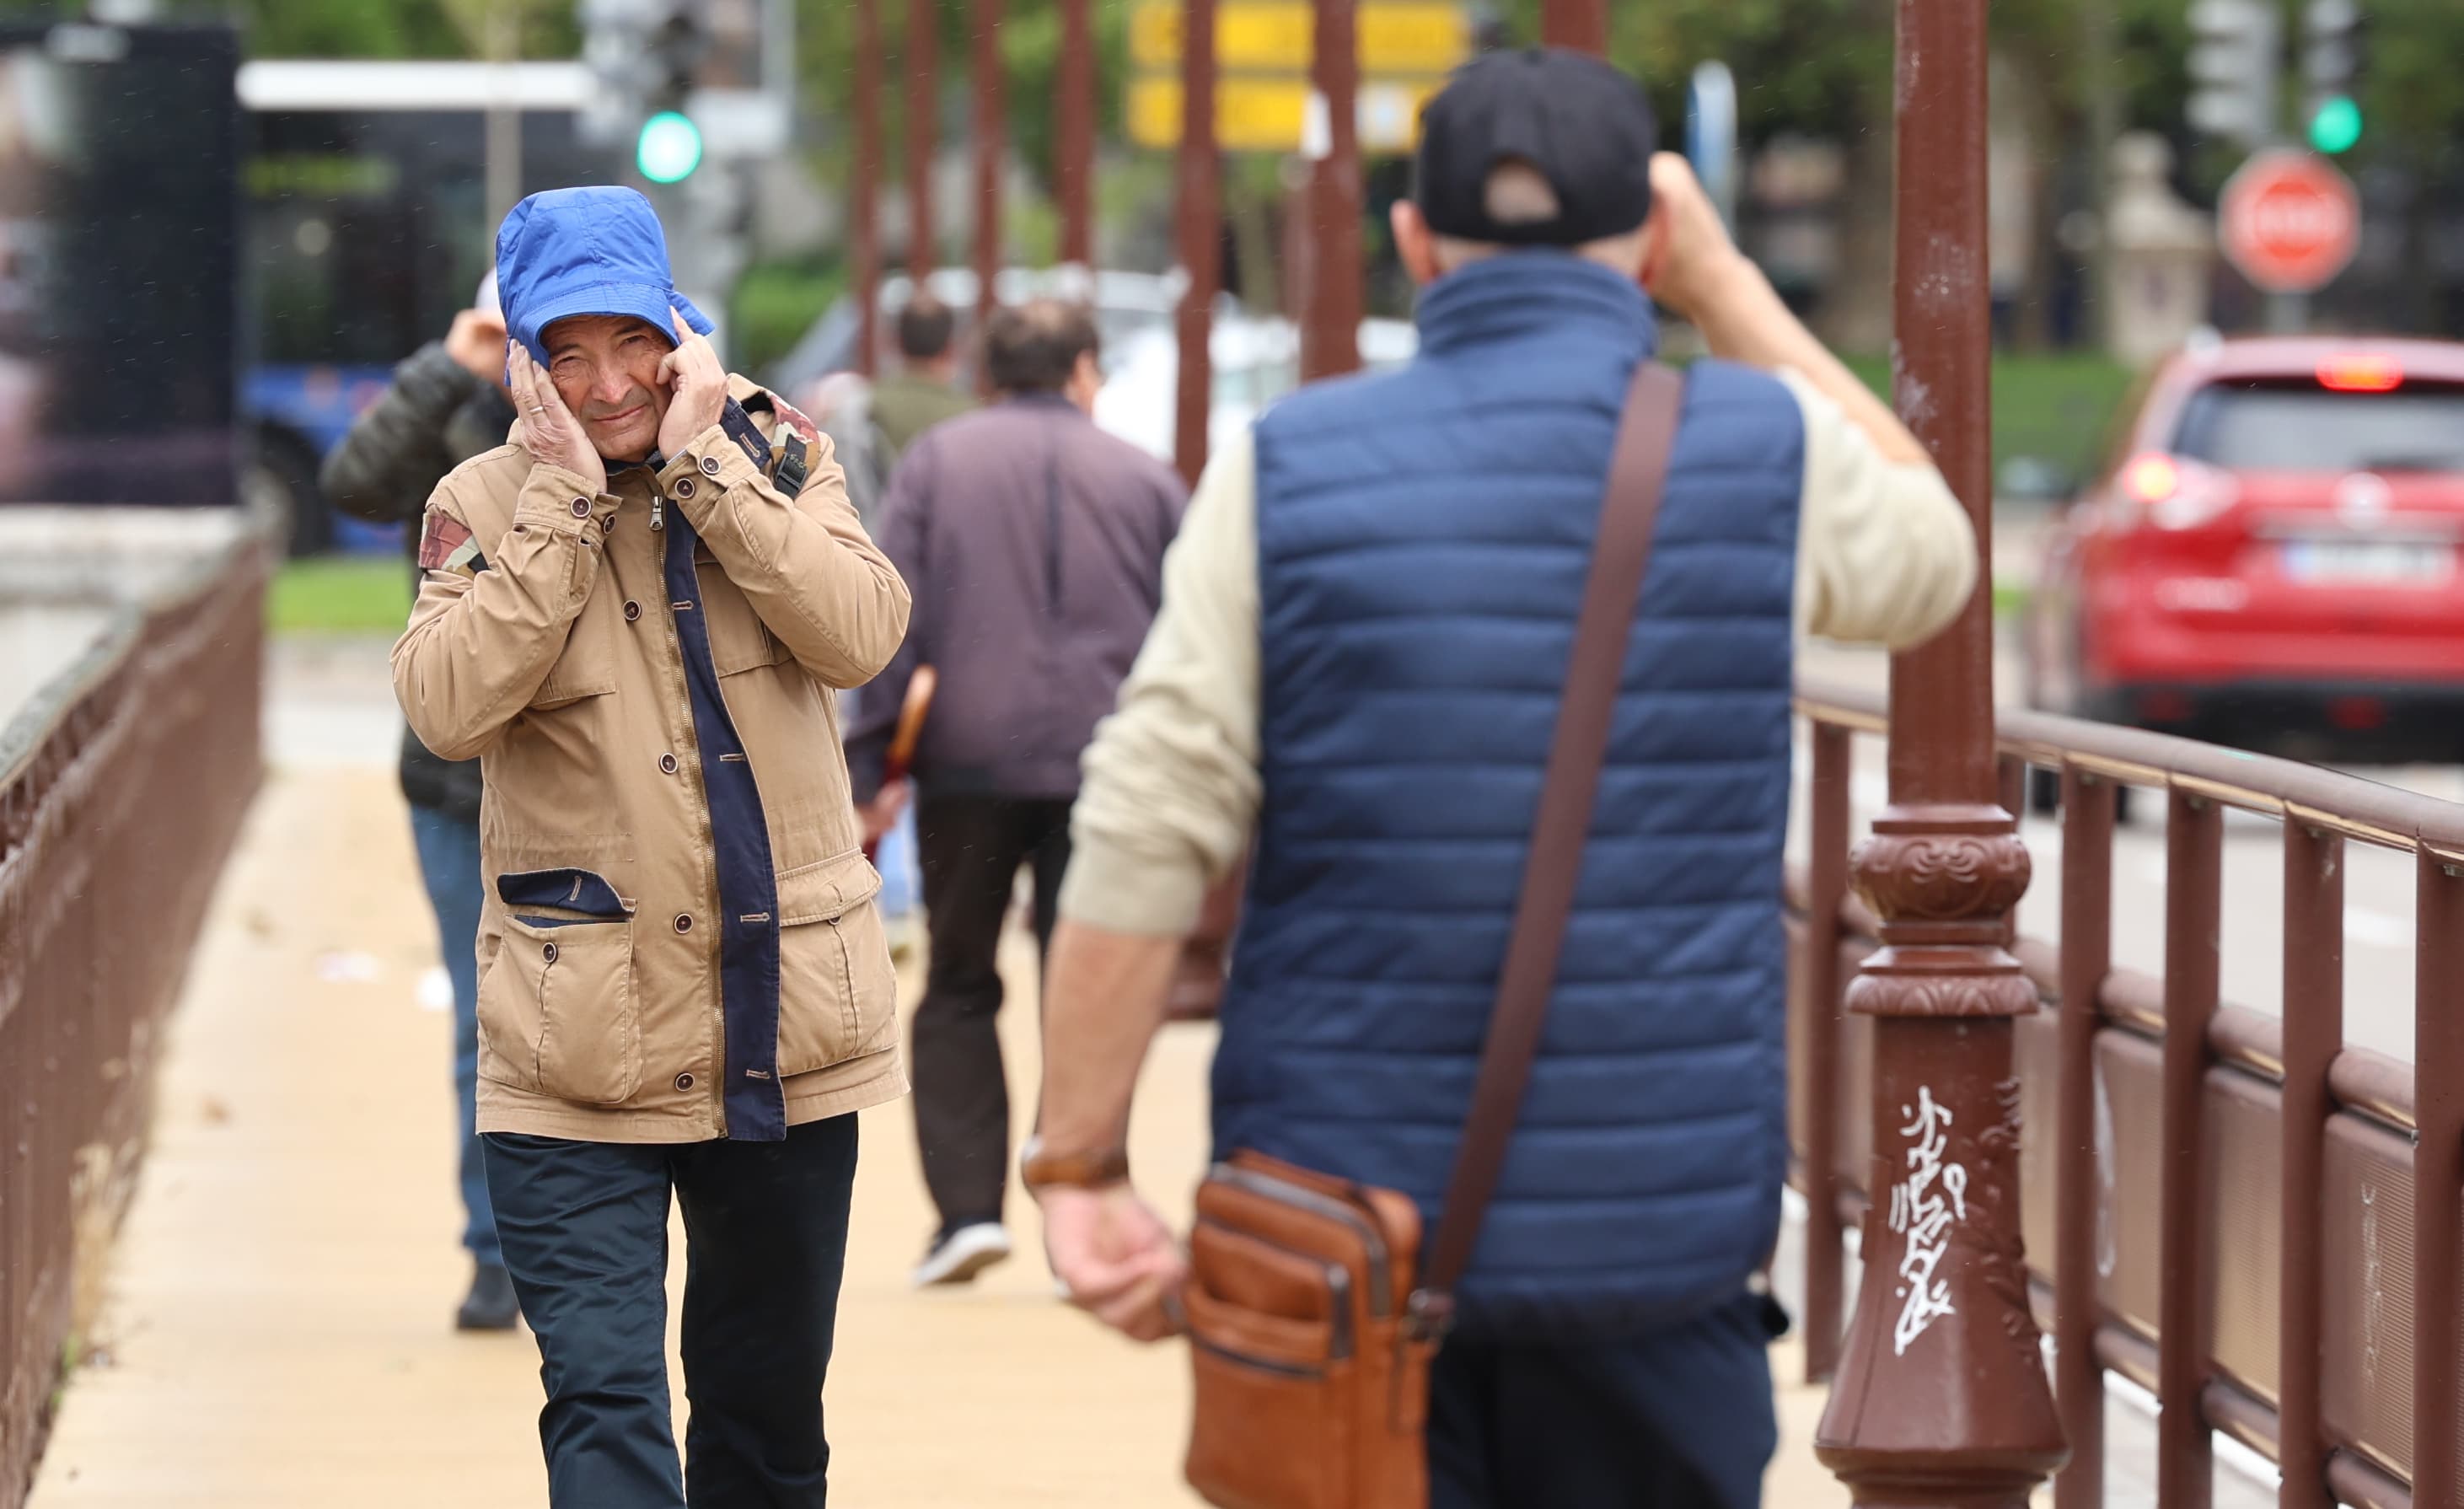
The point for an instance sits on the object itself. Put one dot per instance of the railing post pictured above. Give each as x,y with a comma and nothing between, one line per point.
2079,1169
1827,878
1582,25
2437,1177
984,59
1331,332
2193,900
1942,1400
1075,136
2314,1034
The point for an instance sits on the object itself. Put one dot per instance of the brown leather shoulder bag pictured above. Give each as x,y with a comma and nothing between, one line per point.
1313,1320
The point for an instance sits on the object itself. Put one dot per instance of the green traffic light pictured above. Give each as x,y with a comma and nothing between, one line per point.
669,147
2336,126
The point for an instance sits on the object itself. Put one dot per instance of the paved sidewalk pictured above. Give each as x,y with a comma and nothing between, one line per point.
276,1334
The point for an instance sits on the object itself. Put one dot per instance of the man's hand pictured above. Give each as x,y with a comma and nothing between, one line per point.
881,813
1114,1256
1688,262
694,375
550,432
477,343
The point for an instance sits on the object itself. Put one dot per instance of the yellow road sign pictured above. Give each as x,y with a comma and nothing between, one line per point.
1266,115
1395,36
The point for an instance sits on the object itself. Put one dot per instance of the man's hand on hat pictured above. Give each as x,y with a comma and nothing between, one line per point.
550,432
698,381
1688,261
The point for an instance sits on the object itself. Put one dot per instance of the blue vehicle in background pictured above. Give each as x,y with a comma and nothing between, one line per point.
367,228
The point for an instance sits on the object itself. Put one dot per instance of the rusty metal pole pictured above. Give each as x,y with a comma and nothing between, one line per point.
1582,25
1331,329
864,188
923,112
985,63
1199,218
1941,1399
1073,172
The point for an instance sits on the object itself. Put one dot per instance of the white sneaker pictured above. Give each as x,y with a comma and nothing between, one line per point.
961,1256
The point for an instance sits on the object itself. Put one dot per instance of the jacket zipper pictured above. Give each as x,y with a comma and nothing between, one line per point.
1381,1286
1338,1280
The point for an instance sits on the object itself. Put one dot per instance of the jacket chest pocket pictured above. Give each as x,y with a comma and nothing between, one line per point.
739,639
556,1011
837,992
586,665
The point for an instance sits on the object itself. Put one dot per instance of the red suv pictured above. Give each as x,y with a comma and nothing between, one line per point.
2270,555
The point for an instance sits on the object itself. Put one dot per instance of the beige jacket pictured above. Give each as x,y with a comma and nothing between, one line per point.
1886,554
544,642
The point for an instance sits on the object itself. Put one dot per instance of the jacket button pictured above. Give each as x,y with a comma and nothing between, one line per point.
668,764
632,611
684,487
684,1082
710,466
684,922
548,953
581,508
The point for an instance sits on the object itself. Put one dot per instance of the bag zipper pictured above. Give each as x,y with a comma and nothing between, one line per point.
1381,1283
1258,1364
1338,1280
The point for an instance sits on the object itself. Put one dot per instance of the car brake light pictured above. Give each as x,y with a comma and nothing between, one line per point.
2172,493
2359,374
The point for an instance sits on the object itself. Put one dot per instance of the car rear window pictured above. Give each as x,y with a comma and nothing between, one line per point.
2302,426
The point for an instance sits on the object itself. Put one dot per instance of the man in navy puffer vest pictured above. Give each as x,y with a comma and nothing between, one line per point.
1362,645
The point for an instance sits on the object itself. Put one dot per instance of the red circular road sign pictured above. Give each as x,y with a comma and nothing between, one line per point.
2290,221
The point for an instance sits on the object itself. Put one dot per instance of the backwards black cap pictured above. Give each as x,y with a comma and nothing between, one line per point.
1584,126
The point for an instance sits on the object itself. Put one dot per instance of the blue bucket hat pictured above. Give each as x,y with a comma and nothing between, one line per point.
586,251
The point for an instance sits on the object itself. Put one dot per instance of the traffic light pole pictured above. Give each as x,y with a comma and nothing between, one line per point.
1941,1401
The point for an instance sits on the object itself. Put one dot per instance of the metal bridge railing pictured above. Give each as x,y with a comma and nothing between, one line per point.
2257,1223
122,788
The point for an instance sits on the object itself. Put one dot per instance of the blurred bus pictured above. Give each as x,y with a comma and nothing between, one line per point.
367,229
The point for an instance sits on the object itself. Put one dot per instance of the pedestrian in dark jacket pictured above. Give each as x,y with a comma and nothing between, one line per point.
1033,543
443,406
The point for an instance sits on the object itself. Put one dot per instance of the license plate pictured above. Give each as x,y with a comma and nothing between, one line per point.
2377,561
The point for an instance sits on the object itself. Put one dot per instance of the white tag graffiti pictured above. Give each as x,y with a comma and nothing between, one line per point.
1922,1208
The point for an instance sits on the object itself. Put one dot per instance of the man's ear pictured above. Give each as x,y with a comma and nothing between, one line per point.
1414,245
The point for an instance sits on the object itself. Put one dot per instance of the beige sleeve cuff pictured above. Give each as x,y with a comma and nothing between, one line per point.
1886,554
1171,783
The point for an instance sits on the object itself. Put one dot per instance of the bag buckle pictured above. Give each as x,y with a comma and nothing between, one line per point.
1428,1315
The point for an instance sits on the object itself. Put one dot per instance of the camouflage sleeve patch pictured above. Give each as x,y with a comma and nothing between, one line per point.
796,420
444,544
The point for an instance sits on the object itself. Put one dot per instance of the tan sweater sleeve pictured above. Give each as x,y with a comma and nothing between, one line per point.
1884,554
1170,780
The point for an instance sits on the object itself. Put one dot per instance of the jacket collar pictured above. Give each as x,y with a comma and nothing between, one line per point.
1517,293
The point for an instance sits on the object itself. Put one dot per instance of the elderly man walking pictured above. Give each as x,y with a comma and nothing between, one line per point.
1034,542
634,615
1364,645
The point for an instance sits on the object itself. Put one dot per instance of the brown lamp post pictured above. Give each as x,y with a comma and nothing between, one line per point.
1941,1399
1075,135
864,188
984,62
922,112
1330,326
1198,219
1582,25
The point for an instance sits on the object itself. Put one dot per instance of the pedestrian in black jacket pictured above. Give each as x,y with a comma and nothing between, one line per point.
446,403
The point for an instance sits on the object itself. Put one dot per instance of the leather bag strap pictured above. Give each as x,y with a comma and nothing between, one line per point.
1638,472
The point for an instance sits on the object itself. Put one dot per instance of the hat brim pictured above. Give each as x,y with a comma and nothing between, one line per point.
647,302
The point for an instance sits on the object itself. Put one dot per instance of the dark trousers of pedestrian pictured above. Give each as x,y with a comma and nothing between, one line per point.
972,847
585,1227
448,862
1683,1419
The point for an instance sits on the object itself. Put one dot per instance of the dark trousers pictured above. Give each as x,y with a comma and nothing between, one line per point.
1606,1426
971,847
585,1227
